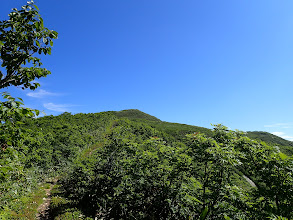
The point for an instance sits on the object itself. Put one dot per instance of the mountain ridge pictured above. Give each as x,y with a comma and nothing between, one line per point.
178,129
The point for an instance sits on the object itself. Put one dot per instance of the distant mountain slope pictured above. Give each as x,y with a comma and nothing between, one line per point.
285,145
178,131
134,114
269,138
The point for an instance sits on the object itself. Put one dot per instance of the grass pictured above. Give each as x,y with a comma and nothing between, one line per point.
27,206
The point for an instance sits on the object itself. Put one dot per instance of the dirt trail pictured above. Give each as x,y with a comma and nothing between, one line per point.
43,209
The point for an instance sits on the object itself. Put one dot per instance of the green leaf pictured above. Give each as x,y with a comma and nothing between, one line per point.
37,25
204,213
37,7
42,22
24,111
37,112
55,34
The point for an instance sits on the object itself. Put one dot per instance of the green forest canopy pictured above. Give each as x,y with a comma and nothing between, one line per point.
127,165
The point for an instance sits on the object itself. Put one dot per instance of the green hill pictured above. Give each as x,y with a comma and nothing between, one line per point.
284,145
175,130
269,138
134,114
178,131
131,165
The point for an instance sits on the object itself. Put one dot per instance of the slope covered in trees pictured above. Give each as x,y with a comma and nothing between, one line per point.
113,165
180,130
127,164
285,145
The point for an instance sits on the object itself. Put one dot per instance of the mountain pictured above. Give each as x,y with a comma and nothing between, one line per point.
131,165
269,138
134,114
179,131
284,145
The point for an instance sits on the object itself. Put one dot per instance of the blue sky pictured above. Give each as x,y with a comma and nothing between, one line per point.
189,61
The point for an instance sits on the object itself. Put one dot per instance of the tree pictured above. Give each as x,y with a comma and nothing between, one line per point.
21,37
228,153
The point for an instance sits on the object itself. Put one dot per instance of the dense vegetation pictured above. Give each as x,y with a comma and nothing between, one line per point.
127,164
111,166
180,130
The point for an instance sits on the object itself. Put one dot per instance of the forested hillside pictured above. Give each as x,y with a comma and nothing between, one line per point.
125,164
180,130
285,145
131,165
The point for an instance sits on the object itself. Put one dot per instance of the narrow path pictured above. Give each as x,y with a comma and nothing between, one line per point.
43,209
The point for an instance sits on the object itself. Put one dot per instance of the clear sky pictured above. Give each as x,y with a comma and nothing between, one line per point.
189,61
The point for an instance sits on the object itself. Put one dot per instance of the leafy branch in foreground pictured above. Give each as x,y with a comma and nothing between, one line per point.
12,115
21,37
